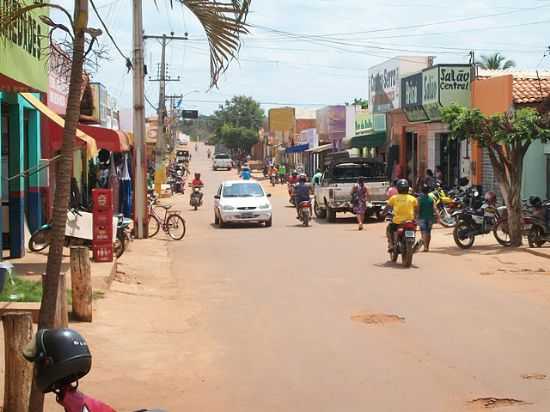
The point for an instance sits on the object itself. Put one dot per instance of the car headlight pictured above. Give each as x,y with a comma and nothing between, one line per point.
264,206
228,207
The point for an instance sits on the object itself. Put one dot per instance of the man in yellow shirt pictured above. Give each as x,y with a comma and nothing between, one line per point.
404,208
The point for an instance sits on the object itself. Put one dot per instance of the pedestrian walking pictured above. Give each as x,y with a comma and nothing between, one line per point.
427,213
359,196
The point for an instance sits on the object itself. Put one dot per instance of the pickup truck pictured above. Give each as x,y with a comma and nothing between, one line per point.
333,194
222,161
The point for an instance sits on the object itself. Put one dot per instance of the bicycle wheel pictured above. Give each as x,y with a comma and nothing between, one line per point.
176,227
153,226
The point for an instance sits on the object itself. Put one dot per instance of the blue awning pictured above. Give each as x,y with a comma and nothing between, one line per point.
298,148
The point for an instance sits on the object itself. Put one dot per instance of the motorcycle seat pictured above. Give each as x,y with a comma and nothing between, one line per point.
165,207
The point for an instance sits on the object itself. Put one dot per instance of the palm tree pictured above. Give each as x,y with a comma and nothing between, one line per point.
224,21
495,61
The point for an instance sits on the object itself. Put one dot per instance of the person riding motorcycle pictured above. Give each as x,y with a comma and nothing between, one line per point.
293,179
301,193
246,173
197,182
404,208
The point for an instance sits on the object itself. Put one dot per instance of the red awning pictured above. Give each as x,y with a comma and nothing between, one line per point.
108,139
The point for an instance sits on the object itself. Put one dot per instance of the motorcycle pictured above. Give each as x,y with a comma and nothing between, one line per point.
78,231
123,235
535,222
195,199
292,198
445,205
482,221
273,180
61,358
304,212
404,243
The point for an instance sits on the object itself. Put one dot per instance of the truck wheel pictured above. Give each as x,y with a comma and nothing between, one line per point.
331,215
320,213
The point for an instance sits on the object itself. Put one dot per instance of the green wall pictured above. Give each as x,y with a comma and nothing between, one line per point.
534,181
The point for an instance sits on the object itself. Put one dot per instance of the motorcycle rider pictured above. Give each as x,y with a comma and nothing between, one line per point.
301,193
404,208
245,173
197,182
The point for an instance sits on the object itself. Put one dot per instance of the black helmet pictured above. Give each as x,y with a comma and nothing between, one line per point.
61,357
403,186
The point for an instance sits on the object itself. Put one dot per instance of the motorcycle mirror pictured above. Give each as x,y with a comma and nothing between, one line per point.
268,194
217,197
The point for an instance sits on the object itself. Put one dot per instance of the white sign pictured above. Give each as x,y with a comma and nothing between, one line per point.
385,81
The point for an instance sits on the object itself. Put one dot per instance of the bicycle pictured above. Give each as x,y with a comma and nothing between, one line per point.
172,223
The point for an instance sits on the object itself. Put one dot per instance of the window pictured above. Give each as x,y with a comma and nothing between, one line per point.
221,156
243,190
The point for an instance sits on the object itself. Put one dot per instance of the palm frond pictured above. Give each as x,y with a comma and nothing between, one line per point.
224,22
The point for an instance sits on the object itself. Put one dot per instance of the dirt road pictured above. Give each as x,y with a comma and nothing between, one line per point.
315,319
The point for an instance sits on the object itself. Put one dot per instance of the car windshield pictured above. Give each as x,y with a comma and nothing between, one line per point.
353,171
221,156
243,190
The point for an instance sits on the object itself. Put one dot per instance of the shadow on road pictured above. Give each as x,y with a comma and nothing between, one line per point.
487,250
232,226
394,265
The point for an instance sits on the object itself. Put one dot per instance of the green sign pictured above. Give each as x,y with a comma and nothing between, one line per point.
430,93
363,123
23,46
454,85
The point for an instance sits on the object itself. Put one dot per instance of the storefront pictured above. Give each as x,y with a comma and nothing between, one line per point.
425,141
23,68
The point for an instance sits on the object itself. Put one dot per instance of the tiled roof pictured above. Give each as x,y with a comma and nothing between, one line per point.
530,90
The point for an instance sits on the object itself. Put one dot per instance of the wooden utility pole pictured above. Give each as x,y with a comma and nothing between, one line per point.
81,282
18,371
139,117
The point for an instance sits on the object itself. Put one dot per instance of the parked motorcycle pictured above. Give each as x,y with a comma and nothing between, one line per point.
61,357
123,235
475,222
195,199
78,231
404,243
446,205
304,212
535,222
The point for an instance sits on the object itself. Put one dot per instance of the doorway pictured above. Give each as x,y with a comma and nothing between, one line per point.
449,158
411,154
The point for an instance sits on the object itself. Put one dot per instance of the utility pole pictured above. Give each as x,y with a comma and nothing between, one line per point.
162,77
139,116
173,117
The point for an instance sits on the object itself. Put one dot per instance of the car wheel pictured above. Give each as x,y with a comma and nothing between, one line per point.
331,214
269,222
320,213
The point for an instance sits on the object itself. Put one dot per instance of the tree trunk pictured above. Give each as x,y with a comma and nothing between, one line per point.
81,281
514,205
48,308
18,372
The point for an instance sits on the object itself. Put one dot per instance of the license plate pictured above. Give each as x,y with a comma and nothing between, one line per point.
410,233
527,226
246,215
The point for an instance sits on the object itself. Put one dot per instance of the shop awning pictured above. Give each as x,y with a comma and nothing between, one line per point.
299,148
319,149
108,139
59,124
375,139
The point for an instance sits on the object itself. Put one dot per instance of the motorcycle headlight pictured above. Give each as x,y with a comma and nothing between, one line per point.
264,206
228,207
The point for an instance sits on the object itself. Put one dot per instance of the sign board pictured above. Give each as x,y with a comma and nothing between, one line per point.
455,85
282,119
430,93
22,48
189,114
363,123
411,98
385,81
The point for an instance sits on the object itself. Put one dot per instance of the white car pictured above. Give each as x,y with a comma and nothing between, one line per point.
222,161
242,201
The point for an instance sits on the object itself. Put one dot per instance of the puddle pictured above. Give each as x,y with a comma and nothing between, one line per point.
536,376
377,318
490,403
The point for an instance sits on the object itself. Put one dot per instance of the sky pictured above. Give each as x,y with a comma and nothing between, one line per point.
311,53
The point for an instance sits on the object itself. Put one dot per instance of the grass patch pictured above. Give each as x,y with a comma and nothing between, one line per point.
21,291
28,291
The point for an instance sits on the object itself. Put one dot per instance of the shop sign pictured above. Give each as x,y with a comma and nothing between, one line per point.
22,46
384,87
411,98
282,119
454,85
363,123
430,93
